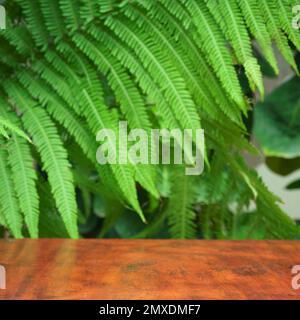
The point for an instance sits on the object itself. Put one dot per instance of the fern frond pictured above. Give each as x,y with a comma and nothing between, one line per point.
128,96
21,39
3,132
35,22
132,106
71,13
95,55
89,10
285,18
9,125
57,82
128,58
61,112
24,177
53,18
273,23
54,157
161,70
8,200
200,92
279,224
102,120
229,17
256,24
207,78
214,45
71,68
180,213
89,96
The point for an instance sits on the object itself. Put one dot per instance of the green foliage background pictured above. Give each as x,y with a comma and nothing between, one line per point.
70,68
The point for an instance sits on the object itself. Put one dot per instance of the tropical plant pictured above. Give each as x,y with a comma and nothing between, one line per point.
276,128
71,67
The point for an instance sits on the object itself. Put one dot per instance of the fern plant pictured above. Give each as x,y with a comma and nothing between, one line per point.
70,68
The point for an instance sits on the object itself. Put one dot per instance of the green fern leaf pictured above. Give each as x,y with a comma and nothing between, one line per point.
229,17
8,201
214,46
53,18
285,17
54,156
255,22
71,13
24,177
181,215
274,27
35,22
9,125
160,69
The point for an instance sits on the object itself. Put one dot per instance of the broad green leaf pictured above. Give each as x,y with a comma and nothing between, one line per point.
277,121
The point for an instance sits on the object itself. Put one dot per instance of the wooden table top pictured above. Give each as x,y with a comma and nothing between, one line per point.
148,269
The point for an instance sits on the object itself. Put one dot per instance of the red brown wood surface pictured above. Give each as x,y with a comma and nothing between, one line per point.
148,269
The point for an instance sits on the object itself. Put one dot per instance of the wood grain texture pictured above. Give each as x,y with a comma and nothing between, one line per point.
148,269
